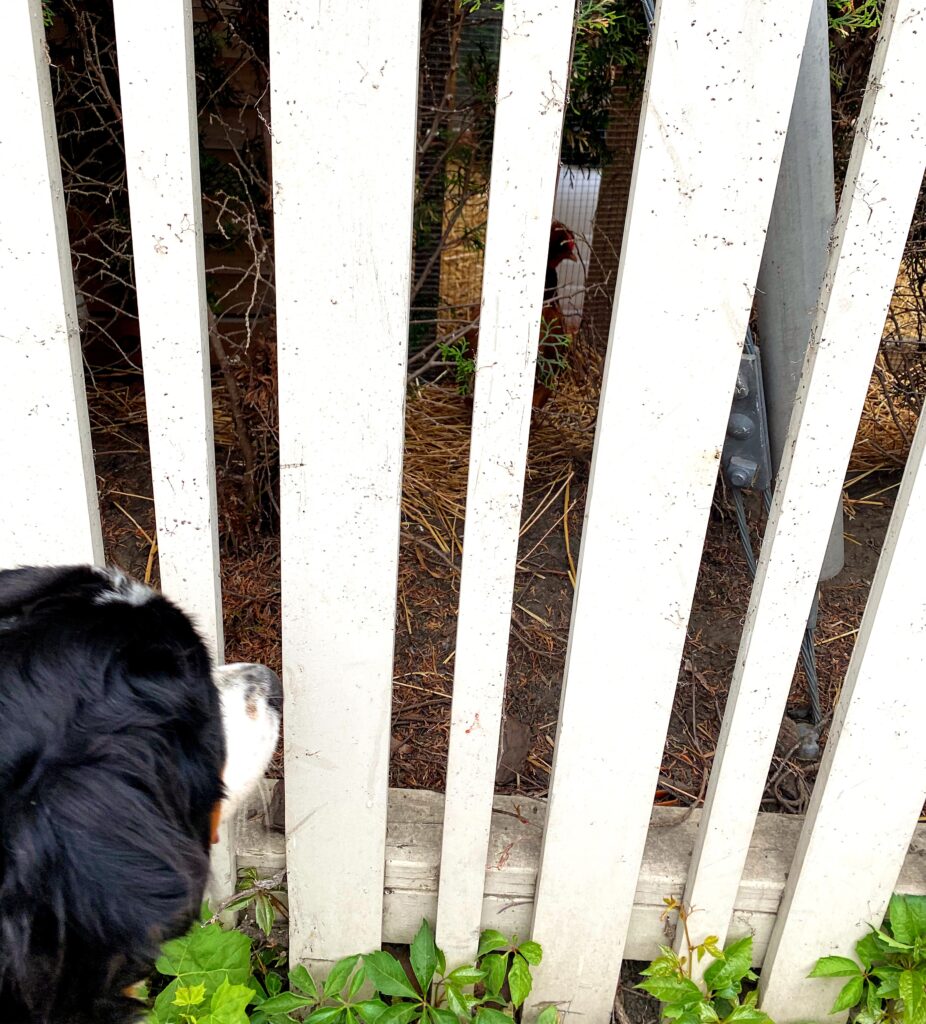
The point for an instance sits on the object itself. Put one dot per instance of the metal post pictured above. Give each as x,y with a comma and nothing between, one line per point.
796,253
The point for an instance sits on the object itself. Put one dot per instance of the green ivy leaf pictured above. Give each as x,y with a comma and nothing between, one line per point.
913,994
707,1014
730,971
490,941
872,999
548,1015
284,1002
264,913
337,977
399,1013
746,1014
867,949
424,956
370,1010
325,1015
274,983
532,952
667,964
835,967
850,994
356,981
386,975
442,1016
458,1002
486,1015
494,967
206,956
299,978
907,915
466,976
228,1005
189,995
891,943
673,990
519,979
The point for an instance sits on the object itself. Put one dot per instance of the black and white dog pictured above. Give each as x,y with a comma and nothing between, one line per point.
120,748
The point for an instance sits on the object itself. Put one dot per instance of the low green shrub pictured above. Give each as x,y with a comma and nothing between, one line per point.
889,982
213,976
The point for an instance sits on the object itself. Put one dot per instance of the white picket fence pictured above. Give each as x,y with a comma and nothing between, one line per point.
585,872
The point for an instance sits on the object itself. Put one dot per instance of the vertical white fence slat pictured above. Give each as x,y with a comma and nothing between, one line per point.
158,96
882,183
344,85
533,75
50,511
716,105
872,780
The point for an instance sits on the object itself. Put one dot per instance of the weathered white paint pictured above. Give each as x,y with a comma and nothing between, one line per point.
533,76
344,85
413,841
50,512
872,779
158,96
882,183
716,105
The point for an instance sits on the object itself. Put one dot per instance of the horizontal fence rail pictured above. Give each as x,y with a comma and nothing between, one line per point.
585,871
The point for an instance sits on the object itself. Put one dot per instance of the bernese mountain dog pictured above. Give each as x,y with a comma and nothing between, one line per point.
120,748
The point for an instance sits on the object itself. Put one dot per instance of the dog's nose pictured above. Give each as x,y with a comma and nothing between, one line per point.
267,683
257,679
273,686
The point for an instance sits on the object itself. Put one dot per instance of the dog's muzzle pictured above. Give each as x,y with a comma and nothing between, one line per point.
252,707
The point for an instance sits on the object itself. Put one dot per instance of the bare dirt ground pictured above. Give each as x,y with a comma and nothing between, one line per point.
428,583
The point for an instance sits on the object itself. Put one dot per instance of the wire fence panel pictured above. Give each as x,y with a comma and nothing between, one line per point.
882,183
344,86
533,75
50,510
715,110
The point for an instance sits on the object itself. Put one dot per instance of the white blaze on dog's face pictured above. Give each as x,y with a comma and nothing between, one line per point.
252,701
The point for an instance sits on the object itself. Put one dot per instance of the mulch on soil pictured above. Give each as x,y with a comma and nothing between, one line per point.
433,505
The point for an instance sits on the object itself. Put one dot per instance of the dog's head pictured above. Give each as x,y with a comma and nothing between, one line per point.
119,748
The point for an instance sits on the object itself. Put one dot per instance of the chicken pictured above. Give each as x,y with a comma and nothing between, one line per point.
555,335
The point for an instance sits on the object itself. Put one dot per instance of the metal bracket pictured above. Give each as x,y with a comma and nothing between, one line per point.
746,460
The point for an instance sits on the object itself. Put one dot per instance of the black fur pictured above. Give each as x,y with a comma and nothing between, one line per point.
111,755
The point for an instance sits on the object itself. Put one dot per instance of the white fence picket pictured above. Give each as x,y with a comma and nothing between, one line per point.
883,179
158,97
716,106
533,75
344,85
50,512
872,780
